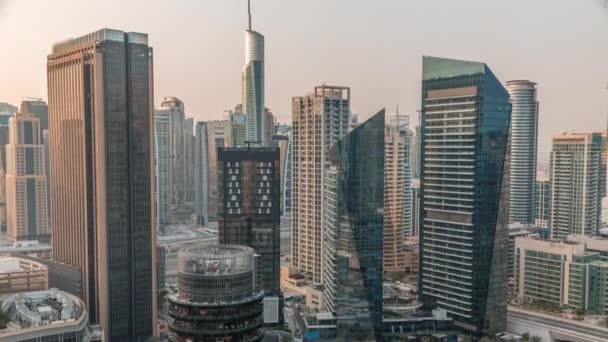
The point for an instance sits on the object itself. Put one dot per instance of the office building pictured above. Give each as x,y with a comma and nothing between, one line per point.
353,234
269,129
319,120
554,274
397,192
523,150
249,207
201,174
219,134
215,298
238,122
175,109
578,183
416,151
281,141
103,205
188,160
163,168
26,199
542,201
3,142
463,206
6,111
38,109
253,85
47,172
415,206
49,315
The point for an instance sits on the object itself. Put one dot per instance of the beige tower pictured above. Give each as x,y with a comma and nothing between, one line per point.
26,180
319,120
219,134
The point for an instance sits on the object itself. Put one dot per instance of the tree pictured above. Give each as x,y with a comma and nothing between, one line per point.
4,319
526,337
536,339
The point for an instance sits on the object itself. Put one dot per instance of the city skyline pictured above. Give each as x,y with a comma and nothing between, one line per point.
525,51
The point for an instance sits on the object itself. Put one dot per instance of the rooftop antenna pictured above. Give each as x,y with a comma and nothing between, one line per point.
249,12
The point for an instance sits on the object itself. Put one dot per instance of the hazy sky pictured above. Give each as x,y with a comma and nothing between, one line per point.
373,46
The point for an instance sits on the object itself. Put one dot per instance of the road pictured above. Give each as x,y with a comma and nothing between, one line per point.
558,325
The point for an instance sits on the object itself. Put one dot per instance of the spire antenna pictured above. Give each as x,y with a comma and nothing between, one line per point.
249,12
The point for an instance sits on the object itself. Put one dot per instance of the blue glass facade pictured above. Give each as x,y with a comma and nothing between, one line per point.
464,206
354,220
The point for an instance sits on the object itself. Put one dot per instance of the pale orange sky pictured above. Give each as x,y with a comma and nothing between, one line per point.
375,47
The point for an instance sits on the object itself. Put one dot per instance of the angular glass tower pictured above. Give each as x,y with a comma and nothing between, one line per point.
353,234
464,207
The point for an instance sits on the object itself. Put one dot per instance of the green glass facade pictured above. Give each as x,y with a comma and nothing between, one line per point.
463,216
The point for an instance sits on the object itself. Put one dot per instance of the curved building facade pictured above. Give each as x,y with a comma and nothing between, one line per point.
253,86
50,315
524,141
216,298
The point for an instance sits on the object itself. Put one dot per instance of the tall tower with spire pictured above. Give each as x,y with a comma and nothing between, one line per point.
253,83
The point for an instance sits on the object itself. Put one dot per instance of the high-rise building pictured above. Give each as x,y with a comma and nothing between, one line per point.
103,202
219,134
216,299
523,150
415,206
353,234
175,109
397,192
249,214
542,201
416,152
188,160
6,111
578,180
26,181
163,167
201,173
38,109
281,141
319,120
253,84
47,172
269,129
238,121
463,205
3,142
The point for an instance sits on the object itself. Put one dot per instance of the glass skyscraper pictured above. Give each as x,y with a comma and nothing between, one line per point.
464,207
101,135
353,234
163,167
522,150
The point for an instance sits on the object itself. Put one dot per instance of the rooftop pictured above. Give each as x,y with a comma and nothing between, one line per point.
30,310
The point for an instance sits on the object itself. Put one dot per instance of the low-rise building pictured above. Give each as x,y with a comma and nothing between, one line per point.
19,275
50,315
569,273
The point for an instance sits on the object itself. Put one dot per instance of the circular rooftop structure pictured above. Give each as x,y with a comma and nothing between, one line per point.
216,298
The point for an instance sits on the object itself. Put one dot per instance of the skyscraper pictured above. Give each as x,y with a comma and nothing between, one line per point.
26,180
249,206
353,234
163,167
463,207
238,121
176,111
542,201
523,149
269,129
3,142
101,138
319,120
38,109
578,179
47,172
6,111
188,160
397,192
281,141
219,134
201,173
253,84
